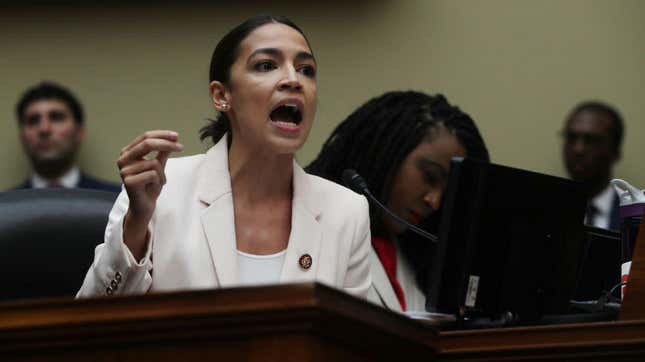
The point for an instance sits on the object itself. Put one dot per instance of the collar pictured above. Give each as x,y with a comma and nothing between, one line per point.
603,201
69,180
214,179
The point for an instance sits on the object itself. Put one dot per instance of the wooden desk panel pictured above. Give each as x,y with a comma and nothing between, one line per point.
606,341
304,322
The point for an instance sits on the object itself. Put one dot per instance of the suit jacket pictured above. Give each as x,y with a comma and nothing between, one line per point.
381,291
85,182
614,216
192,242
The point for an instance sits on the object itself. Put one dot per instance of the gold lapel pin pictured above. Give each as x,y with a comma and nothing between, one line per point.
305,261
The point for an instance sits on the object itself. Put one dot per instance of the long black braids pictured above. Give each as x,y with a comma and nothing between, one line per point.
375,139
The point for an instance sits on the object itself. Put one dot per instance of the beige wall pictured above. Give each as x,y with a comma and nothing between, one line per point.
516,66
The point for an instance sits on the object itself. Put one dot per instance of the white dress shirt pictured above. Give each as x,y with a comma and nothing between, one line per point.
603,203
69,180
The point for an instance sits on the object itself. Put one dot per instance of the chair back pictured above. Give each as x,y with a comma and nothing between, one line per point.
47,239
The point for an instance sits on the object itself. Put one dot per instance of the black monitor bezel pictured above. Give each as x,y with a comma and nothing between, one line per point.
461,238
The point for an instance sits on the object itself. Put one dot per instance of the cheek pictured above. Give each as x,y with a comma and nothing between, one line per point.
252,104
248,89
314,103
247,102
65,131
403,190
413,178
29,134
313,91
310,113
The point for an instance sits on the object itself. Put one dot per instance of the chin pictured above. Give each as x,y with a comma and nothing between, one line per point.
288,148
393,227
582,176
49,157
287,145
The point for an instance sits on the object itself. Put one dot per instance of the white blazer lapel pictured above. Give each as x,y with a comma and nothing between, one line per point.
306,231
218,219
381,283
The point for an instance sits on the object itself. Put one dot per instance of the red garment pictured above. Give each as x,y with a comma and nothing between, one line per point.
386,252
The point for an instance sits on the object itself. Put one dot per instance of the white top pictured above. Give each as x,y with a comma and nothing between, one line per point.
69,180
259,269
603,203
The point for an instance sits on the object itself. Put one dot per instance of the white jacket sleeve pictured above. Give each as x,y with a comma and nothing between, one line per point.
358,278
114,269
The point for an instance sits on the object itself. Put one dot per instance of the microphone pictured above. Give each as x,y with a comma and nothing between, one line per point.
355,182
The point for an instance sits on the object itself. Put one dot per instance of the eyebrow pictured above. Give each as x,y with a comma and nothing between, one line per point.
428,162
278,53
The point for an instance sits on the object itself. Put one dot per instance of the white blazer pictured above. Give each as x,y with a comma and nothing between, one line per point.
381,291
192,242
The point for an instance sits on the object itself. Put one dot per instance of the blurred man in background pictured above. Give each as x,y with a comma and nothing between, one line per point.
51,127
593,136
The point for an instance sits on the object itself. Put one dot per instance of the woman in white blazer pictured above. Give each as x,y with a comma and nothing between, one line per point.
244,213
401,143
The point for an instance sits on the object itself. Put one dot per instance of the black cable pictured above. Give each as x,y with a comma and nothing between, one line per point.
401,221
606,301
609,295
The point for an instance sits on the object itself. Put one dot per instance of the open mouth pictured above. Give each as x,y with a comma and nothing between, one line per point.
288,114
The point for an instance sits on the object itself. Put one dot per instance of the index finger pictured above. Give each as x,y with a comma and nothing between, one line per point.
162,134
147,146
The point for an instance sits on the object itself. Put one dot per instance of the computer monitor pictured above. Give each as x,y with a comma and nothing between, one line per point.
509,242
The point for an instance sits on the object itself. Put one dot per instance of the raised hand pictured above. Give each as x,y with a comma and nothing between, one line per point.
141,164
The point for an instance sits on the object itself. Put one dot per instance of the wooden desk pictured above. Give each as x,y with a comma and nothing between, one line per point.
303,322
606,341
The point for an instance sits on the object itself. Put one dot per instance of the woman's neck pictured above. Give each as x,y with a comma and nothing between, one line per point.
258,176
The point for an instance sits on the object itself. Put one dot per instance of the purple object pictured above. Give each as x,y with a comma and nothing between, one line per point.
632,210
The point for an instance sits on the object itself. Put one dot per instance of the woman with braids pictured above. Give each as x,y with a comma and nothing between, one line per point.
244,213
401,143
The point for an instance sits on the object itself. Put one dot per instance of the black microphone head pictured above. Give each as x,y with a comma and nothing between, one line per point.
355,182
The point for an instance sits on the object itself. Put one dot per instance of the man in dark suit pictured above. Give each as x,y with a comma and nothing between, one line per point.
593,136
51,126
